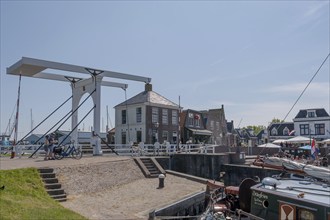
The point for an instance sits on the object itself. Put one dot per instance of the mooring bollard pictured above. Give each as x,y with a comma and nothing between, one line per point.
161,178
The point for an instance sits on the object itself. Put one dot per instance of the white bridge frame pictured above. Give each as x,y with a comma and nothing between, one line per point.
37,68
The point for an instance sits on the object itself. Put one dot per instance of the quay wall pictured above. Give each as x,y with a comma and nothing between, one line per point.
202,165
209,166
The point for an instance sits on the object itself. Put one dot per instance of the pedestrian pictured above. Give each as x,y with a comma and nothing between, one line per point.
51,147
46,147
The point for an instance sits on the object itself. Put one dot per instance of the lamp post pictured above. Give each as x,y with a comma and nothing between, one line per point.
156,127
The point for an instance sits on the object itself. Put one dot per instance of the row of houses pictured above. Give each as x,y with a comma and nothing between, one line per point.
149,117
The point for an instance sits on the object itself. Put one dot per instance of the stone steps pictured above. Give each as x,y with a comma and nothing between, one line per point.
149,166
53,187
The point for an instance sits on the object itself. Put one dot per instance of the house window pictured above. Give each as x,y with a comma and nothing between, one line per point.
174,117
165,116
123,137
319,129
304,129
217,124
285,131
274,132
154,115
138,136
165,135
191,119
138,115
123,117
197,120
212,125
311,114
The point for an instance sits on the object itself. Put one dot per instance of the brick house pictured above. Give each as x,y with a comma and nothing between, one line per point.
193,127
215,121
147,117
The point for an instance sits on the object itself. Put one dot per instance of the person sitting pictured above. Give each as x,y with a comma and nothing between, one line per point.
51,148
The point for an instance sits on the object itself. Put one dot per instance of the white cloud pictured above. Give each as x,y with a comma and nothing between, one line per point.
317,87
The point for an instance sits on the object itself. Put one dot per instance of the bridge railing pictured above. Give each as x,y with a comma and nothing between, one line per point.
140,149
158,149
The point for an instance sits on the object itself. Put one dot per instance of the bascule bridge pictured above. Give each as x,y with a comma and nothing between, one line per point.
91,81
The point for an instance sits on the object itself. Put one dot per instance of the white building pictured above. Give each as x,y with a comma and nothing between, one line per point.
313,123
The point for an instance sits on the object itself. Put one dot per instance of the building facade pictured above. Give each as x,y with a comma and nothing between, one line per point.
193,127
314,123
147,117
215,121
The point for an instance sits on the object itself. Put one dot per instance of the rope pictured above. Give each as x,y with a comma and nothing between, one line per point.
310,81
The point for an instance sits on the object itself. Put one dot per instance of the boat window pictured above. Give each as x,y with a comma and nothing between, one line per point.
304,214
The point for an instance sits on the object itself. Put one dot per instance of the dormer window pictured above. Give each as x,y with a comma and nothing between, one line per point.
311,114
274,131
285,131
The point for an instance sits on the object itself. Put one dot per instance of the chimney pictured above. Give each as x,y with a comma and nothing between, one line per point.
148,87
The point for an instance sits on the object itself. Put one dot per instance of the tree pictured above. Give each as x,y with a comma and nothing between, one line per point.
276,120
256,128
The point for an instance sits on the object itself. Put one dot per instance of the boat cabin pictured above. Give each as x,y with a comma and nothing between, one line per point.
290,199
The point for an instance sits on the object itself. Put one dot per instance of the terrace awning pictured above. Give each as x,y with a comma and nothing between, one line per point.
201,132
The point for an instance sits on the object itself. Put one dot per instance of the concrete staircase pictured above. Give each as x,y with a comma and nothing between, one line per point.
149,166
53,187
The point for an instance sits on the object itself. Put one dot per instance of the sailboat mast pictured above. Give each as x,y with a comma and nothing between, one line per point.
107,128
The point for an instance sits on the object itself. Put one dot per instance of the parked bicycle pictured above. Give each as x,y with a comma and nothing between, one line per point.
70,151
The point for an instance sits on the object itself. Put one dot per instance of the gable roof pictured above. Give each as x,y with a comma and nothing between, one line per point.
230,126
280,127
150,97
245,133
320,112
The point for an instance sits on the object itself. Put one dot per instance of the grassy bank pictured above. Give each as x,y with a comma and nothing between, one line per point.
24,197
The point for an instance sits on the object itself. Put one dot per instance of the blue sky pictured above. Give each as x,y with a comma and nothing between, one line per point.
253,57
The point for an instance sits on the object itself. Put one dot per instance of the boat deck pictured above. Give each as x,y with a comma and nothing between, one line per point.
313,191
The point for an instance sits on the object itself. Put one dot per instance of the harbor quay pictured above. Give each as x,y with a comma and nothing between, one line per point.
182,182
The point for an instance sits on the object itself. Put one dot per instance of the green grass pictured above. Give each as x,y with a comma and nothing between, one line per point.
25,197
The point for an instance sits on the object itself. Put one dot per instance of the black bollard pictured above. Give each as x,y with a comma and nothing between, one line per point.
161,178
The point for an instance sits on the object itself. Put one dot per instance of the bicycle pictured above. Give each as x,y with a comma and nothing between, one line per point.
60,152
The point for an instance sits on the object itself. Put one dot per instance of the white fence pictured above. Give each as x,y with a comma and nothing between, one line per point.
141,149
158,149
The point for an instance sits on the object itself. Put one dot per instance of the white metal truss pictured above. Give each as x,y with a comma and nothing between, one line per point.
37,68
